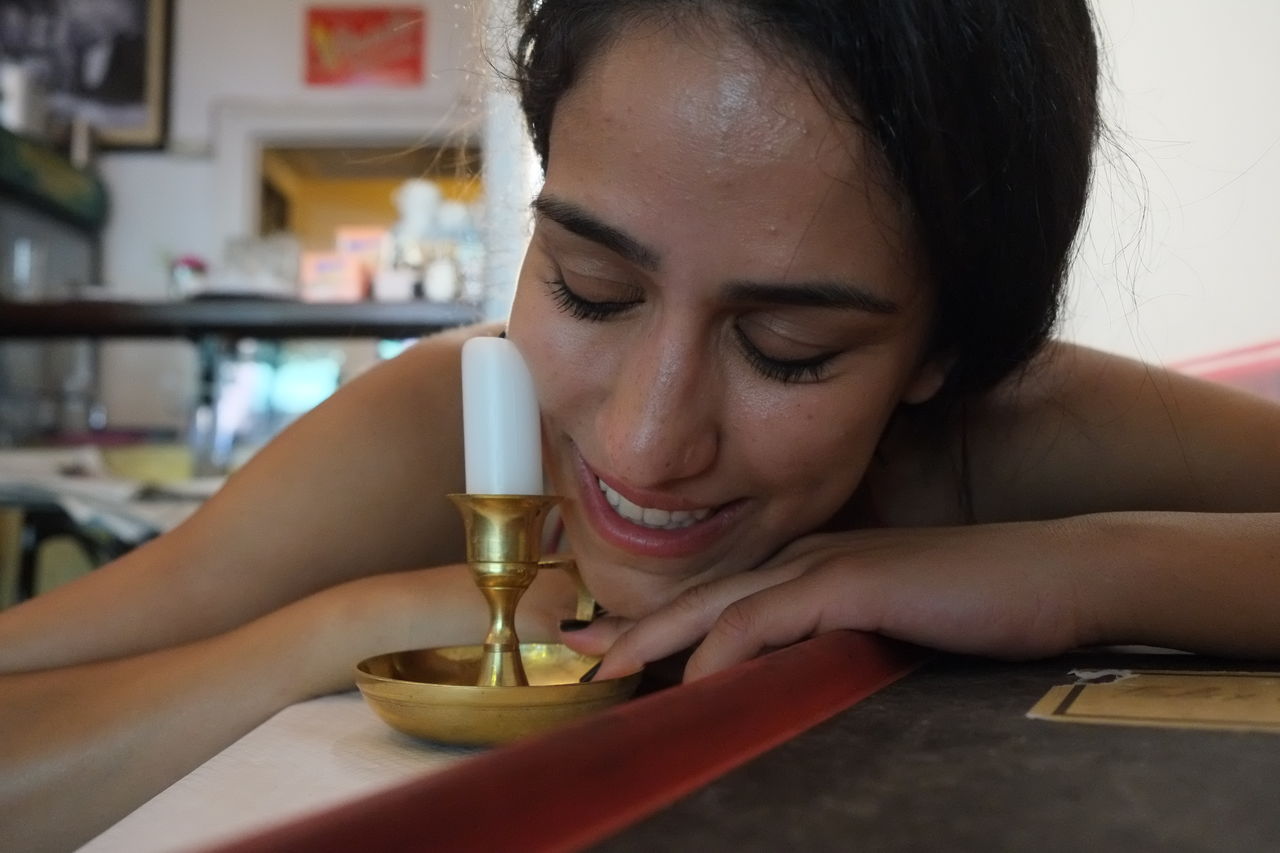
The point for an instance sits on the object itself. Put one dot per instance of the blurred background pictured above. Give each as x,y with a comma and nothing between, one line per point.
356,170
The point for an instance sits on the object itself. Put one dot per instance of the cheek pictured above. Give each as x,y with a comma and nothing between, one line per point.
570,366
812,449
815,449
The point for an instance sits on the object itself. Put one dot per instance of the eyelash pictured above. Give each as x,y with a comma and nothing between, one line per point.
780,370
584,309
788,371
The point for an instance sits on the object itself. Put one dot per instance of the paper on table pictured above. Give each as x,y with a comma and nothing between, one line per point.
307,758
1184,699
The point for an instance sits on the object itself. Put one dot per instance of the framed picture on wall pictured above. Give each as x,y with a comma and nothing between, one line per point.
104,61
377,46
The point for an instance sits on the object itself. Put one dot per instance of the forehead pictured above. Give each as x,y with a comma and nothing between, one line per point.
693,137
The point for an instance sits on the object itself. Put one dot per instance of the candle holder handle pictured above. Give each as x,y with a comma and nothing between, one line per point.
586,607
504,547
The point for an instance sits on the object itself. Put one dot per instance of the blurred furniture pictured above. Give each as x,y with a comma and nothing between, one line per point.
66,510
51,214
39,522
62,513
216,324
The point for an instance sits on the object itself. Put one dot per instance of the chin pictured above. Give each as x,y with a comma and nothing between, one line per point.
634,586
624,591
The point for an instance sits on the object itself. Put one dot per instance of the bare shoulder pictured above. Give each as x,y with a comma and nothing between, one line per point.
358,484
428,369
397,409
1082,431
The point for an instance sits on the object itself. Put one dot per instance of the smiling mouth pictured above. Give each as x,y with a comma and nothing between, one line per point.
654,519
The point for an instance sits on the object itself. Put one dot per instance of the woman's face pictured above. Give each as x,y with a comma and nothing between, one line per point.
720,310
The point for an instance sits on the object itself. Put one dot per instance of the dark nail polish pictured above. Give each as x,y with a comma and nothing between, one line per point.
574,624
591,673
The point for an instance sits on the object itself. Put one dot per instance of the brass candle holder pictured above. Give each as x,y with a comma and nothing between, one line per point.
503,550
502,689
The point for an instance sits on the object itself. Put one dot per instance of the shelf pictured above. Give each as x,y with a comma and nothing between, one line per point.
36,173
228,317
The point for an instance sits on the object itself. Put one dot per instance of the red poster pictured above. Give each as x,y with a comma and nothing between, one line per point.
366,45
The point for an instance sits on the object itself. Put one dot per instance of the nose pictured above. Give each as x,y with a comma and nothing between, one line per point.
660,420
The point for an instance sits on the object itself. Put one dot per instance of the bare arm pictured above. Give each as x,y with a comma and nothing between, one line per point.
80,746
1202,582
1087,432
1083,432
1175,483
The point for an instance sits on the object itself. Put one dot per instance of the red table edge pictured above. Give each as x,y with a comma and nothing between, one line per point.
585,781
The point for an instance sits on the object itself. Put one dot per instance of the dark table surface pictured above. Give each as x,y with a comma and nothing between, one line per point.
947,760
229,317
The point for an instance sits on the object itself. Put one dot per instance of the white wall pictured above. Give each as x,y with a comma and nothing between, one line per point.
234,61
238,65
1182,253
160,208
253,50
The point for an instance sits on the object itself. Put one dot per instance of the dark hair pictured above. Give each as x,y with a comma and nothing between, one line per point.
985,112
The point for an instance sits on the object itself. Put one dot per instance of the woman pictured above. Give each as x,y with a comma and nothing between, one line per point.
786,307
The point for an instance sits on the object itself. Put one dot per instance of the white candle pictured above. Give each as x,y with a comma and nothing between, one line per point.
501,429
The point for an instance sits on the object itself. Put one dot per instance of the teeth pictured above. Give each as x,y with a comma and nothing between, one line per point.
660,519
657,517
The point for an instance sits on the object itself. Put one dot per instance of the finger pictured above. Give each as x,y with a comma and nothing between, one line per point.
593,638
684,621
779,616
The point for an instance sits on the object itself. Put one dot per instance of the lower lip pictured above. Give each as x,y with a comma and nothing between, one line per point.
649,541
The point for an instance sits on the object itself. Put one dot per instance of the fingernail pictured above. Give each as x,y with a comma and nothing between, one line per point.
598,611
591,673
574,624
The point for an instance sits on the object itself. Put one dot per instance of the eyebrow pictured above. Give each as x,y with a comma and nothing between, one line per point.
812,294
578,221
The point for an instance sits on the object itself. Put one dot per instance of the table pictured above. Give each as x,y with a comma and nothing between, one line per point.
309,757
945,758
215,324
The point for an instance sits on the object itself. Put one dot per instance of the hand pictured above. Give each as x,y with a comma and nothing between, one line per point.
1000,590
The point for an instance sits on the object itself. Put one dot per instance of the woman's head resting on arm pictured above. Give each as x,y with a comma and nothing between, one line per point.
764,228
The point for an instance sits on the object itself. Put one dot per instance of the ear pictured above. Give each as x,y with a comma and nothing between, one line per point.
927,379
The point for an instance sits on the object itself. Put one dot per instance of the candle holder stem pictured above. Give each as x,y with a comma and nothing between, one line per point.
504,547
502,585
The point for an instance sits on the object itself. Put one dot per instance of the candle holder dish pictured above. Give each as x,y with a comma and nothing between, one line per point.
432,693
502,689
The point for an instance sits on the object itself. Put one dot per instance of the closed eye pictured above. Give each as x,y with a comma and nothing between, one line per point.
809,369
581,308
